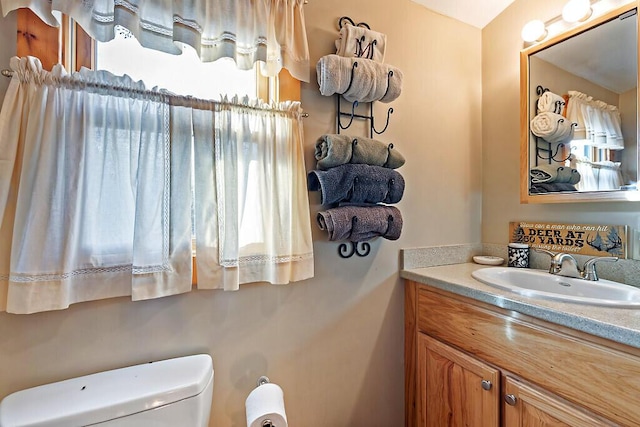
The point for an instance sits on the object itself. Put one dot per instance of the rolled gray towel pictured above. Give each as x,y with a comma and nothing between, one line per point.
544,173
357,184
554,174
372,80
359,223
567,175
335,150
575,177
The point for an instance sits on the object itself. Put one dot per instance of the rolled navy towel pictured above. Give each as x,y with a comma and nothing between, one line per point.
355,183
372,81
551,187
359,223
335,149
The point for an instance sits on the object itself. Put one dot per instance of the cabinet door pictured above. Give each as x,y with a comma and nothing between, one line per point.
455,389
526,406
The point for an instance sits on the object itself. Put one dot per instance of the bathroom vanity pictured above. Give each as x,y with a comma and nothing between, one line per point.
479,356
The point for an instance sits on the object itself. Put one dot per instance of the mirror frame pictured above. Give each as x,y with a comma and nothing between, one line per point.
525,103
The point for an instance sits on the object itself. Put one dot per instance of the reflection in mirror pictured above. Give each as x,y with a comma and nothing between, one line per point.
581,133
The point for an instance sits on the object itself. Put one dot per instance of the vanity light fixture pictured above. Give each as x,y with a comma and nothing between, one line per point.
534,31
576,11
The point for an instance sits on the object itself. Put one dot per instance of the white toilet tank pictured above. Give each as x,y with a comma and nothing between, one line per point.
174,392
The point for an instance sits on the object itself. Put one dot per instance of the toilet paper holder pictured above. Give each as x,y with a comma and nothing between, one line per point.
262,381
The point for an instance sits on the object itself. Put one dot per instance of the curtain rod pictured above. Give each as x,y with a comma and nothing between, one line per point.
179,100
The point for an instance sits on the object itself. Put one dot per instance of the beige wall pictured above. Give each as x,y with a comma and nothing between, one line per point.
334,343
501,45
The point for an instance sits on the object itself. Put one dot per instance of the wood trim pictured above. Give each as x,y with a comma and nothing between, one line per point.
35,38
604,380
572,197
524,127
85,49
410,349
288,87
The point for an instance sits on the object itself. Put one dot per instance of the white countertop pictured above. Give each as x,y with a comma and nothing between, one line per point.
616,324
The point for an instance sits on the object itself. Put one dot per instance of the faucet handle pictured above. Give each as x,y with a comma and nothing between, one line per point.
553,268
589,270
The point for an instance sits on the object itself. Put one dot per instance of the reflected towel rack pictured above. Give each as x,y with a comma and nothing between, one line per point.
551,155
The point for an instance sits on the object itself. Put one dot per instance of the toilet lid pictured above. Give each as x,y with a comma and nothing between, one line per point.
107,395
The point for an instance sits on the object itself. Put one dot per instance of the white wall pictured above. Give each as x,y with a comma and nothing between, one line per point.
334,343
501,44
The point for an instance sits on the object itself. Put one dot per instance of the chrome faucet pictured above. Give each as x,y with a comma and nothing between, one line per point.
563,264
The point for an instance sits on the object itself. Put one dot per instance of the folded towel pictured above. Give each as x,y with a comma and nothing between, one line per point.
371,80
361,42
334,150
554,174
551,188
359,224
357,184
549,102
552,127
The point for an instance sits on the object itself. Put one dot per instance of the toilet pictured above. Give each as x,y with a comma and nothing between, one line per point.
174,392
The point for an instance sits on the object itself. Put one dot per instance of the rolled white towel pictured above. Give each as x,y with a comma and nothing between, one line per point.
361,42
371,80
549,102
552,127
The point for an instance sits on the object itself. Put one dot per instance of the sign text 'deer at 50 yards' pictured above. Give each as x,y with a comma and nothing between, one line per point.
583,239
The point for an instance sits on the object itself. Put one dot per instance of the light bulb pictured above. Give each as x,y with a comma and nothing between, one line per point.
534,31
576,10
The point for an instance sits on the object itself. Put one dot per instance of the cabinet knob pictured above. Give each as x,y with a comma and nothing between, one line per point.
510,399
486,384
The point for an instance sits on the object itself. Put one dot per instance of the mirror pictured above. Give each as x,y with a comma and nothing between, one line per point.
579,109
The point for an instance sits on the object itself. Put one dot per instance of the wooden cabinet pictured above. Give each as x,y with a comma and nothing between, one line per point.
526,406
454,388
472,364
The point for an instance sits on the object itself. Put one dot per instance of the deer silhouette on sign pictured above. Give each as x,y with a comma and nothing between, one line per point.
612,244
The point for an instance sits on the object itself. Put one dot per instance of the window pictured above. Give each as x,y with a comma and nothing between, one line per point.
71,46
184,74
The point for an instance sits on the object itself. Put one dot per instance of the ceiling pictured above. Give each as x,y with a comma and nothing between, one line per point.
473,12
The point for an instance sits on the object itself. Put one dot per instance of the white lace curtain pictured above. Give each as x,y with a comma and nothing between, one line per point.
272,31
96,191
598,124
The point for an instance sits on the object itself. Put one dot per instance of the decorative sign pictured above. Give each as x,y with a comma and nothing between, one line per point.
583,239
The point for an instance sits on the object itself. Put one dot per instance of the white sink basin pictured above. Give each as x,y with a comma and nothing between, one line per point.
541,284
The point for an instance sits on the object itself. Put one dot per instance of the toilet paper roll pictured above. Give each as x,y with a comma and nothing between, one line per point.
266,402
